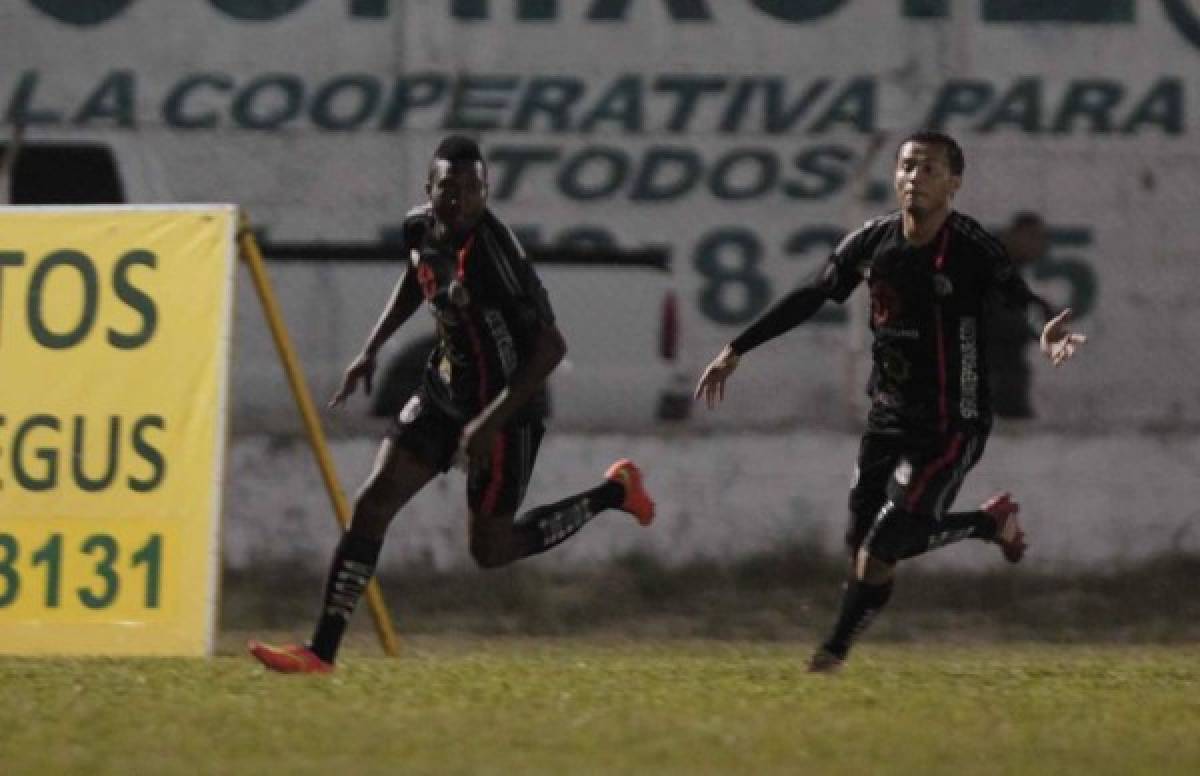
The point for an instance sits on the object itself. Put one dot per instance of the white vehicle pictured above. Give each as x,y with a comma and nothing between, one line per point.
617,310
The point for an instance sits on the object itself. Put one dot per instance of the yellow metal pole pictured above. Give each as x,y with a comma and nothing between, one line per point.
251,254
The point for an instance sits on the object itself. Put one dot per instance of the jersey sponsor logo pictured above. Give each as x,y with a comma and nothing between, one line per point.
503,339
968,341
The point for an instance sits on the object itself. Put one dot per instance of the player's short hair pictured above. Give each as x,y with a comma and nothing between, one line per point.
954,154
458,148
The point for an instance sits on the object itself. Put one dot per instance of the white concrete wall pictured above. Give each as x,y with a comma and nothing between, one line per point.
1087,501
1092,124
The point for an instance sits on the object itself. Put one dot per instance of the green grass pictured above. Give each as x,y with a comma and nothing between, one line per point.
602,705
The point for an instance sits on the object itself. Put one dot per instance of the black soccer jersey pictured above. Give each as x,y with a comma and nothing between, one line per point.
927,307
489,306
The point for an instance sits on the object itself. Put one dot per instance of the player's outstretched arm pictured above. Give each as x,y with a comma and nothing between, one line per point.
361,369
1058,342
404,302
712,382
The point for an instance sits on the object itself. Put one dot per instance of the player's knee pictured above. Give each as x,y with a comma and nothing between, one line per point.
881,548
858,526
871,569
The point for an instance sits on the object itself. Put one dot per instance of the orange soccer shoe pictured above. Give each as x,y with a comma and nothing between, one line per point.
637,501
289,659
1009,535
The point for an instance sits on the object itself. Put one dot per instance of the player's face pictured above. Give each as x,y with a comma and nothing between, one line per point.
458,193
924,182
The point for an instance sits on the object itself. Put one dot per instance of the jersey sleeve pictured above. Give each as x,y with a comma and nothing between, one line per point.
1004,282
524,290
844,269
836,279
412,231
534,299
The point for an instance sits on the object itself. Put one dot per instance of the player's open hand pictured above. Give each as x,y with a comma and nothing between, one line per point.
712,382
362,368
1058,342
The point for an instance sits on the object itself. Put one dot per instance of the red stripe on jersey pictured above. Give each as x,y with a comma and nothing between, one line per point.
491,495
462,257
472,332
934,466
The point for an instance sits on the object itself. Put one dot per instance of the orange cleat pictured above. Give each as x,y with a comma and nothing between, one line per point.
1009,535
637,501
289,659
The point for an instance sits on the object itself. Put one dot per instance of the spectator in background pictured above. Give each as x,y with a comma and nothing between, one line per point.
1009,331
8,161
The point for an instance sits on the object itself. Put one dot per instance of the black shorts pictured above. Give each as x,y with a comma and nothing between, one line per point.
497,486
920,473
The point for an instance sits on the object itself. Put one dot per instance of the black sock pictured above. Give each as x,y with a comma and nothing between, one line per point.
975,524
541,528
952,527
352,567
860,603
911,535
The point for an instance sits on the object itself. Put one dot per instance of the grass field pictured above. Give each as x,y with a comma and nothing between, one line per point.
602,705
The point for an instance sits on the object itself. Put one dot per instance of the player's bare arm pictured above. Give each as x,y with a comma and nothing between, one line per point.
1058,342
786,314
406,298
479,434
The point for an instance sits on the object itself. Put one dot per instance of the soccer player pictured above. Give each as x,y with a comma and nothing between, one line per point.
931,272
481,403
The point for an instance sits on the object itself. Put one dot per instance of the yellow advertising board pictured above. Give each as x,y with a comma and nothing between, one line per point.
115,325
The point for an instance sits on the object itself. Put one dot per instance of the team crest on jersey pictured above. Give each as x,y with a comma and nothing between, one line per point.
895,367
942,285
428,280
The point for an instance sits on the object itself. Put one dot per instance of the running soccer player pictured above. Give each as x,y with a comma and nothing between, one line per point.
931,272
481,403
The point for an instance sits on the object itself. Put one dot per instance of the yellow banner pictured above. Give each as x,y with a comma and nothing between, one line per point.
114,350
